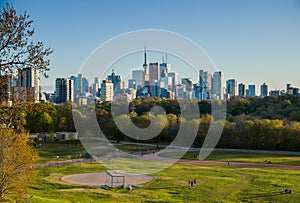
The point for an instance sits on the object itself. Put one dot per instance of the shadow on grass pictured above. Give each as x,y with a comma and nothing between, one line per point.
267,194
167,187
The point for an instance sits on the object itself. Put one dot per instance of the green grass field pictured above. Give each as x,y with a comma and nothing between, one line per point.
214,183
73,149
66,150
246,157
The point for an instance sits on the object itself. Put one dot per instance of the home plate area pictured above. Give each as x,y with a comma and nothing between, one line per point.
108,179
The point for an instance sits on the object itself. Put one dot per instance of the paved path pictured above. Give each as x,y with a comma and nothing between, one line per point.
156,157
240,164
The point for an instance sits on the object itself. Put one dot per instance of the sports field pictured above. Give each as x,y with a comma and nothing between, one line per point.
215,183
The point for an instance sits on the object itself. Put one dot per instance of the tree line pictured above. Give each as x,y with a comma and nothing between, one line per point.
254,123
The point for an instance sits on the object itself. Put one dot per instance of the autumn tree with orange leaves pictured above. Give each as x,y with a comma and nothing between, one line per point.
17,51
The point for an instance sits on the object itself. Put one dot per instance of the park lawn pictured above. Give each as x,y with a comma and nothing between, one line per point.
214,184
67,150
73,149
246,157
60,151
136,147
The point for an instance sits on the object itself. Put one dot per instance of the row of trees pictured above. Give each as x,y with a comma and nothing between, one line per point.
242,130
253,133
272,107
40,117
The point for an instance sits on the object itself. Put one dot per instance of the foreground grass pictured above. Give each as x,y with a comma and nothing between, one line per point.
246,157
215,184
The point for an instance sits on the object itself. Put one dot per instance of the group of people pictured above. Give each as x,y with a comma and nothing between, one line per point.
192,183
286,191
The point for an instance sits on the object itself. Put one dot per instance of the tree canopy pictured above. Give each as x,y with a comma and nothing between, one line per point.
17,160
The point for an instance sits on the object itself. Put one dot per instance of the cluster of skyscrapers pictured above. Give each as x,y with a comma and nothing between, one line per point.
151,80
21,87
239,90
157,80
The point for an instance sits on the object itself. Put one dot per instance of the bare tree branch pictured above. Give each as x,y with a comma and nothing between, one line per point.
16,49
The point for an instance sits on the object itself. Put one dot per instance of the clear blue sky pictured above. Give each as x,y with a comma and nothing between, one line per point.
253,41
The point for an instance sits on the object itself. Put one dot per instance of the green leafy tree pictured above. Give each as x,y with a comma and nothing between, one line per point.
41,117
65,118
17,160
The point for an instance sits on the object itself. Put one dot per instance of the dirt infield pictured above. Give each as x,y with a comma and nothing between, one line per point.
98,179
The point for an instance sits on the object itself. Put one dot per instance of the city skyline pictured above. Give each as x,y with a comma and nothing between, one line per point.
255,41
210,86
249,89
153,79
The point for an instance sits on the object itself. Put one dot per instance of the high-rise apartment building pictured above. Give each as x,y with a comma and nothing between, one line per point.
218,85
188,82
181,91
154,73
155,88
264,90
78,85
167,82
242,90
107,90
64,90
231,88
29,81
117,81
164,69
96,86
7,84
85,85
205,85
251,91
132,83
138,76
175,80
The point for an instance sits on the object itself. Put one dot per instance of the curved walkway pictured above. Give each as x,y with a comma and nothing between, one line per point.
240,164
156,157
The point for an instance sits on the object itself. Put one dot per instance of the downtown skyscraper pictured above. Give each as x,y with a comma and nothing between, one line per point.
231,88
64,90
218,85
